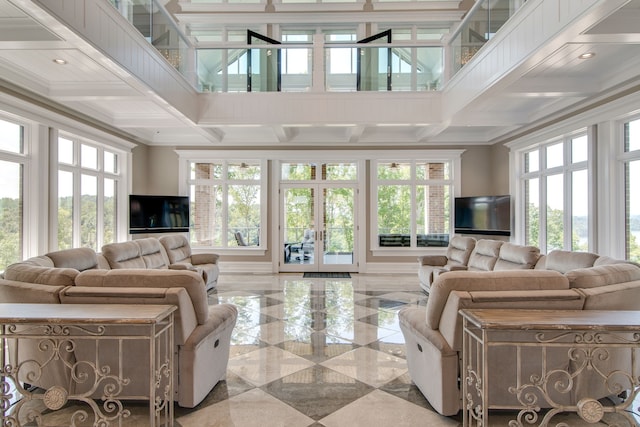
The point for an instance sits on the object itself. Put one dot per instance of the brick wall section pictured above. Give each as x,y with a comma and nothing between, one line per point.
436,213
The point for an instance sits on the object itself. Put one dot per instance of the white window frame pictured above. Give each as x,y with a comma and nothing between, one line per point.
188,156
119,177
566,170
27,200
452,157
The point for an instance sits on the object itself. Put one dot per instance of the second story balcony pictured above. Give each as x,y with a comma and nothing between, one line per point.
406,56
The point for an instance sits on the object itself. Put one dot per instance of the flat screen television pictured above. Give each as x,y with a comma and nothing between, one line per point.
158,214
490,215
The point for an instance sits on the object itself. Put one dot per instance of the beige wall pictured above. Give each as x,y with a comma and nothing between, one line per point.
155,171
500,169
476,172
139,162
485,170
163,171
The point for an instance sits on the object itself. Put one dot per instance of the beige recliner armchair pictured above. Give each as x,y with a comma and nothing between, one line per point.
458,253
181,258
202,332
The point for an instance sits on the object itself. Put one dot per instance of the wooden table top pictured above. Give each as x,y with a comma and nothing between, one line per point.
518,319
83,313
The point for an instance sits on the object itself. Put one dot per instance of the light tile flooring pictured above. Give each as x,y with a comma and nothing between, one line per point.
316,352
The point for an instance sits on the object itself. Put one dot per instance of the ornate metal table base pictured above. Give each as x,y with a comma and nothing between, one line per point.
81,358
553,362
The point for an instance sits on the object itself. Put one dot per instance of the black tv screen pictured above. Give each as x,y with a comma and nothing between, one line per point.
158,214
489,215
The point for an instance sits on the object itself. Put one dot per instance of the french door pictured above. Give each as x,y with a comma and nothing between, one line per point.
318,227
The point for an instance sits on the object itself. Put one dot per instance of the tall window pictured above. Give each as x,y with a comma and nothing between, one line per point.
413,203
88,181
631,160
556,190
12,160
226,199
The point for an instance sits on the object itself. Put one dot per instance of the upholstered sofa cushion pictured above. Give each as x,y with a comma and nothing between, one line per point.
153,253
177,247
564,261
21,292
459,249
485,255
185,319
77,258
514,257
124,278
608,274
204,258
123,255
30,273
508,280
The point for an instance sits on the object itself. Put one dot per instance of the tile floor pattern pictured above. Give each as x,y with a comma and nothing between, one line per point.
317,352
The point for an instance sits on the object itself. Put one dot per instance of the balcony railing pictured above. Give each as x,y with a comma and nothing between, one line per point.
413,68
289,67
159,28
484,19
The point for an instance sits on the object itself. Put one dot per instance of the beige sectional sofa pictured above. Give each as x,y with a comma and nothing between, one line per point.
171,251
131,273
561,280
467,253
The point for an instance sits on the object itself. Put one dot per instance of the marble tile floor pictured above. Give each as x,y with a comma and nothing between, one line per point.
322,352
317,352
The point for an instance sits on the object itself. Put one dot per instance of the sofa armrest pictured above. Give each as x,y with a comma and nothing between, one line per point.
182,266
455,267
435,260
221,316
12,291
204,258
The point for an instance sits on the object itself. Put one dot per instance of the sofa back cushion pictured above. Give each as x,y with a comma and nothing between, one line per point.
564,261
31,273
77,258
515,257
177,247
153,253
511,280
603,275
485,254
123,255
460,248
137,278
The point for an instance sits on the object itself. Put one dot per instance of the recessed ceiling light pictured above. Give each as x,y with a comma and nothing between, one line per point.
60,61
587,55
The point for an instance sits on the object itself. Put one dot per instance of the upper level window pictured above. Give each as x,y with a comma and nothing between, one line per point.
12,163
88,194
412,203
557,193
227,206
